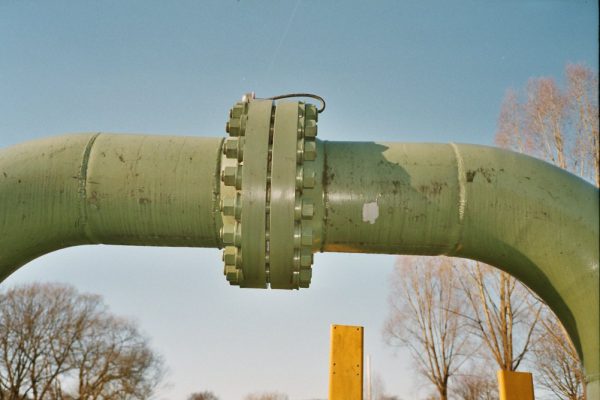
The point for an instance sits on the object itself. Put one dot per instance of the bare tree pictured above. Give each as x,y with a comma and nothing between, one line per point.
57,344
554,124
114,361
557,361
378,391
424,315
205,395
582,96
476,387
503,313
267,396
38,325
559,125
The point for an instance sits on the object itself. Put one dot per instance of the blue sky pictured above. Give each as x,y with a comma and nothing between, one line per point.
402,71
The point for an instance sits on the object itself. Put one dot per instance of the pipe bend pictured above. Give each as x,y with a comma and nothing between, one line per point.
107,188
520,214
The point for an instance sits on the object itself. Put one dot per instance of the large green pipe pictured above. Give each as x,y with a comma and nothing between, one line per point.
103,188
522,215
535,221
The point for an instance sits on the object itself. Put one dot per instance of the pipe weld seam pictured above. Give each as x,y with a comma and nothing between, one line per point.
83,211
325,197
462,195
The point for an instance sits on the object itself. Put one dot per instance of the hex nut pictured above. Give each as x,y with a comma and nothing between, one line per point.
232,176
309,178
237,110
228,234
311,112
310,128
232,274
306,259
308,209
231,234
230,255
307,236
228,175
304,278
228,206
235,126
310,150
233,148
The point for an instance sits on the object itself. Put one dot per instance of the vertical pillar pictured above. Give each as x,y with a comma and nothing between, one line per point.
346,363
515,385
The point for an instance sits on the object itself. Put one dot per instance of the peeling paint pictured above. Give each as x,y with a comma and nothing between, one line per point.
370,212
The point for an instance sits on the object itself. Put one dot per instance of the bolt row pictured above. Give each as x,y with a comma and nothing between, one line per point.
306,153
231,206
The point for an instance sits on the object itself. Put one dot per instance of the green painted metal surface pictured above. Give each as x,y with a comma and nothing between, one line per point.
254,195
268,194
104,188
282,221
520,214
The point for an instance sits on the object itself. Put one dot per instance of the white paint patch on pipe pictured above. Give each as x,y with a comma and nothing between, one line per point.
370,212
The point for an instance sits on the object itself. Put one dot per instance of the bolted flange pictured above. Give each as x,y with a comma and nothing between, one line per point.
269,192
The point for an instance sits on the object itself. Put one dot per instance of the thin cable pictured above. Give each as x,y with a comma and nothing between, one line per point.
312,96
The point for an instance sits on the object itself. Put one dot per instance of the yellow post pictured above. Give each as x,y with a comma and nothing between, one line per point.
346,363
515,385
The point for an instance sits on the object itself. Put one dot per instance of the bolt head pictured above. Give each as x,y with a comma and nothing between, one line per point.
310,128
310,150
305,277
228,206
237,111
231,176
231,147
232,274
228,176
308,209
234,126
230,255
306,259
311,112
309,178
307,237
228,234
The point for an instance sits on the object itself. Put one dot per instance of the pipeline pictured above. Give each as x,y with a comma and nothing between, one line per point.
272,194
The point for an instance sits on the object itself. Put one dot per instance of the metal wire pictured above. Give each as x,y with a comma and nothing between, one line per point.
312,96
